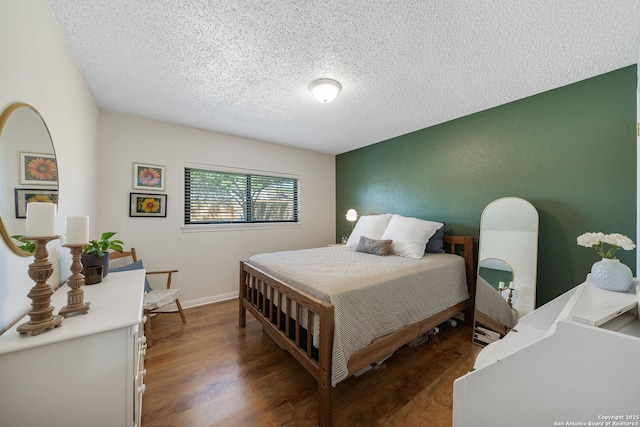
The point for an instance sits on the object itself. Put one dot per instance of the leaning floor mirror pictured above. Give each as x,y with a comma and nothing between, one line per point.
508,259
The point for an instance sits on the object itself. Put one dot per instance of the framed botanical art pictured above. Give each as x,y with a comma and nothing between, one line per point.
147,205
39,169
148,177
28,195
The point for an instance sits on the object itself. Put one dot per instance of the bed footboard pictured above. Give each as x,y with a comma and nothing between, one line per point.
287,315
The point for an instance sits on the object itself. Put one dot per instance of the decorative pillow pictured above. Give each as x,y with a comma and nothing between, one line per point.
435,245
375,247
133,266
409,235
371,226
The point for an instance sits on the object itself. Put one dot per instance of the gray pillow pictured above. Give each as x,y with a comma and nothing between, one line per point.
435,245
133,266
375,247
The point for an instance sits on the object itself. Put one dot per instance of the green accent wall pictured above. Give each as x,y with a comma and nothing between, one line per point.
570,151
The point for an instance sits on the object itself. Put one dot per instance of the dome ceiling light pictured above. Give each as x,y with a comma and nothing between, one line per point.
325,90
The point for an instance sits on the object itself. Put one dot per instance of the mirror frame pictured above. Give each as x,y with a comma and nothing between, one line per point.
4,118
492,246
514,262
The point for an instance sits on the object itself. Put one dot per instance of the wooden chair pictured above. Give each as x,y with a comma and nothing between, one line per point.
154,299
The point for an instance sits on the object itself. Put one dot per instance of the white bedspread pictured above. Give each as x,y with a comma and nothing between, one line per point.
372,295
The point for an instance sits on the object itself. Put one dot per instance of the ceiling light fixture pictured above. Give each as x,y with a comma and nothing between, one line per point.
325,90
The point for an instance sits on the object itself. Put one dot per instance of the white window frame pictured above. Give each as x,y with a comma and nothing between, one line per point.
241,226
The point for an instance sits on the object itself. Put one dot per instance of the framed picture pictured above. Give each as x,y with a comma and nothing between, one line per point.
40,169
149,205
148,177
28,195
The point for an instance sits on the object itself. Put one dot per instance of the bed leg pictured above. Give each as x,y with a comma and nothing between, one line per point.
325,404
469,313
325,390
242,293
242,320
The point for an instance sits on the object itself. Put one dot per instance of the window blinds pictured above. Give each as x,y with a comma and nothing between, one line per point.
213,197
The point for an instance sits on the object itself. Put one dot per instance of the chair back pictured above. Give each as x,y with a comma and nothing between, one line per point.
153,299
119,259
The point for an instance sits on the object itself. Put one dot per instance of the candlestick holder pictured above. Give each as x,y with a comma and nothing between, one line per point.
510,289
41,314
75,296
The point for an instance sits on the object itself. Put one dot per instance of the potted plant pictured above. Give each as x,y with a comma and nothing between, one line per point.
97,253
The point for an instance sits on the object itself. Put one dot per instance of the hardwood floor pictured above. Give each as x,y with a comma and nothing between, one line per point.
209,372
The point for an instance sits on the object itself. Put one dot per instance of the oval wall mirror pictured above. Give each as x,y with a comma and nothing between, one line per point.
28,169
508,254
496,272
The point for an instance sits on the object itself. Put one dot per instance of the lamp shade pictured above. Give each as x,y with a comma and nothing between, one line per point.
352,215
325,90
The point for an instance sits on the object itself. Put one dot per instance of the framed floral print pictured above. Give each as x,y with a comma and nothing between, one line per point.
148,177
147,205
28,195
39,169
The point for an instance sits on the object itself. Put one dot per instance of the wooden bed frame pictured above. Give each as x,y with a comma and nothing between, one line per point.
270,302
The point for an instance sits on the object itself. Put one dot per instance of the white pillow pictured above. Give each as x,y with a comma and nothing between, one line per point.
371,226
409,235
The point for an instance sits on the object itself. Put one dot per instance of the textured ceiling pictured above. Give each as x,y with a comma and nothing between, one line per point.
243,67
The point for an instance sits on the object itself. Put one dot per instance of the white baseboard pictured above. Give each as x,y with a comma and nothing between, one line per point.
201,301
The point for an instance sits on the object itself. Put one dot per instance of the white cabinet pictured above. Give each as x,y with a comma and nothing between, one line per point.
574,359
87,372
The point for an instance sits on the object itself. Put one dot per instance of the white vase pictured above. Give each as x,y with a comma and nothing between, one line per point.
611,275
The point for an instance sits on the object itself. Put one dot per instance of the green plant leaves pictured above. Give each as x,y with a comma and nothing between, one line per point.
104,245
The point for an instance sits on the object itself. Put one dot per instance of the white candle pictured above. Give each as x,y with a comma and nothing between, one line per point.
77,230
501,285
41,219
512,285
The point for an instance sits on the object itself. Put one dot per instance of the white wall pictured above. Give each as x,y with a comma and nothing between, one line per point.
38,68
208,261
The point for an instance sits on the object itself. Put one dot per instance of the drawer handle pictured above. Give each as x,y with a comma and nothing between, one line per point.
142,389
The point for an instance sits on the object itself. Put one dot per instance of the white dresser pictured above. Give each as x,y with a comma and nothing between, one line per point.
87,372
573,360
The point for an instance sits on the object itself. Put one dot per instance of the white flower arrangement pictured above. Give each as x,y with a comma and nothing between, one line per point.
598,240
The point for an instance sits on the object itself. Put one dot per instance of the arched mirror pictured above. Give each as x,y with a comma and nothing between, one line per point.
28,169
506,281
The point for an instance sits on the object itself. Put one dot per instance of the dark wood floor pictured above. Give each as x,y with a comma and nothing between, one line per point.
209,372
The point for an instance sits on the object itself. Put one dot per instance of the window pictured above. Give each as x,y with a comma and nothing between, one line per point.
217,197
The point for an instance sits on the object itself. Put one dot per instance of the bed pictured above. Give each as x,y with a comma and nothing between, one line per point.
310,311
